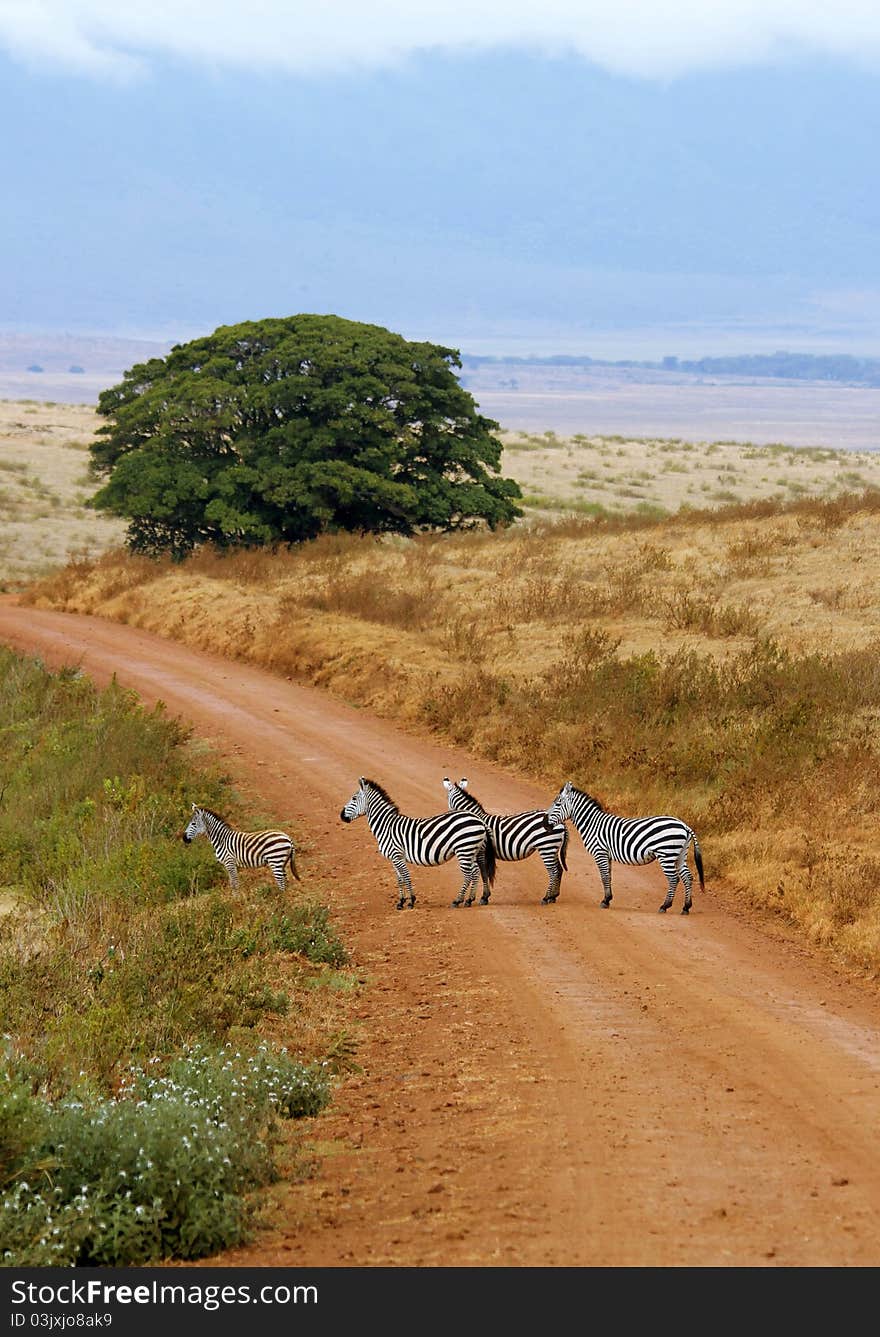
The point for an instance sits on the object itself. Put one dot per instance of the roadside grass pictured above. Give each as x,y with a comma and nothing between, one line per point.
124,952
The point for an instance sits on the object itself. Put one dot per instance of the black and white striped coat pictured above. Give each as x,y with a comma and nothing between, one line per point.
517,835
424,840
630,840
243,849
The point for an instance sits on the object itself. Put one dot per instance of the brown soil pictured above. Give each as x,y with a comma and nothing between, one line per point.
565,1085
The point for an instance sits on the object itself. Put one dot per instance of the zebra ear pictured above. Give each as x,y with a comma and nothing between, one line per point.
362,781
463,784
194,807
447,783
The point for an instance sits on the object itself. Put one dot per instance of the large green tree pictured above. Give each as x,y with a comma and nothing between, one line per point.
273,431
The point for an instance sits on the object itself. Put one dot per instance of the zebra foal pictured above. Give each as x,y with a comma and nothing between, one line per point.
424,840
243,849
630,840
517,836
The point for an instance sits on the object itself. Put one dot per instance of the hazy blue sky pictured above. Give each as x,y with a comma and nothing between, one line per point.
610,178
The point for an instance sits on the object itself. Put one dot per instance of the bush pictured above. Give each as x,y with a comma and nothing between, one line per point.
162,1171
307,931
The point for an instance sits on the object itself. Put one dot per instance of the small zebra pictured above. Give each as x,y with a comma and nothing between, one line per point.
517,836
630,840
424,840
243,849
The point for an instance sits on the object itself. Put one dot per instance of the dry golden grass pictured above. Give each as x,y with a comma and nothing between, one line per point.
619,474
44,483
805,576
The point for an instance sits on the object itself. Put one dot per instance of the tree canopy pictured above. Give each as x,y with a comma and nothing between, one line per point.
274,431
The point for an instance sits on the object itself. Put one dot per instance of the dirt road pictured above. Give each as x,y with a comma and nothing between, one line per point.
559,1085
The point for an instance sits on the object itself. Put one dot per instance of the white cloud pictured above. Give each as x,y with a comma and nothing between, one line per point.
647,38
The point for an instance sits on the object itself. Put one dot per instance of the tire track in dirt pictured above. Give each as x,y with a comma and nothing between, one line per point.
540,1085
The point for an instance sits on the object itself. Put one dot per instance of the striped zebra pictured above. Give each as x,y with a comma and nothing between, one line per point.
243,849
424,840
517,836
630,840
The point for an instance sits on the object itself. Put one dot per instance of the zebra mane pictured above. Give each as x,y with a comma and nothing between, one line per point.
383,793
211,812
592,797
470,796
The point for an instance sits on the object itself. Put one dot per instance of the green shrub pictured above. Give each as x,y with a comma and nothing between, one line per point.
307,931
162,1171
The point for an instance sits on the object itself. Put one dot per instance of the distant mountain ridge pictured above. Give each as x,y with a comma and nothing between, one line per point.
57,352
842,368
75,368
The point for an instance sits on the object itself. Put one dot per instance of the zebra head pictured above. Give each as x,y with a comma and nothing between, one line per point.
357,804
196,825
560,809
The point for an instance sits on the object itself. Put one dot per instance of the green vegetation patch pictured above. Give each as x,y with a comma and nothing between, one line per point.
159,1171
130,1129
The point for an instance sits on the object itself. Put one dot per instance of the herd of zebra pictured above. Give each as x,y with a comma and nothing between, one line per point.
478,839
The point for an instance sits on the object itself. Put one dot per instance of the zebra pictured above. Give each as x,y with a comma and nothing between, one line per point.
517,836
630,840
243,849
424,840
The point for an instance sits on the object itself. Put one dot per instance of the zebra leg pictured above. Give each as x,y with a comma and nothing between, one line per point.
232,872
685,875
554,868
477,873
404,884
670,868
487,890
604,865
470,871
278,874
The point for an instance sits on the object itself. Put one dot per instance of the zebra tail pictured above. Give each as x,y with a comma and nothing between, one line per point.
698,860
564,850
489,857
292,859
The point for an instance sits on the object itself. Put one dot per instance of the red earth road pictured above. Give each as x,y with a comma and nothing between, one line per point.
540,1086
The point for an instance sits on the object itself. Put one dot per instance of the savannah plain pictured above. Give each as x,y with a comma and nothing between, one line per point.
678,625
662,574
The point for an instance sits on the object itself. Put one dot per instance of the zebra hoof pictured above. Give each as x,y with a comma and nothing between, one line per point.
484,900
455,904
685,909
663,909
605,904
